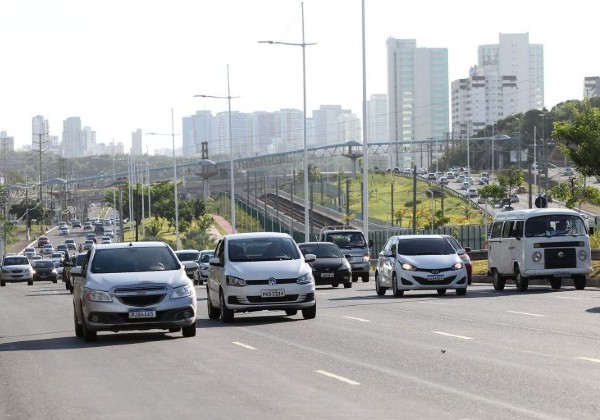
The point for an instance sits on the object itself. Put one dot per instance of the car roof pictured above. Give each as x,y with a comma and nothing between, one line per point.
250,235
149,244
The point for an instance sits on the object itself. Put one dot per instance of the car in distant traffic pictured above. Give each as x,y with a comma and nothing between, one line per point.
189,258
132,286
63,230
419,262
62,248
29,251
201,275
16,268
44,270
42,240
568,171
88,244
71,244
76,224
87,226
47,249
331,266
260,271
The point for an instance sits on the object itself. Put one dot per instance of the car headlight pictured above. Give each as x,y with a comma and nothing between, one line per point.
582,255
182,291
304,279
536,256
96,295
408,267
235,281
365,257
458,266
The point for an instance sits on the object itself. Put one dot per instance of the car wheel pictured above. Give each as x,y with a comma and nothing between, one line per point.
29,282
78,328
213,313
334,285
291,312
397,292
380,290
195,282
579,282
354,278
497,280
67,284
200,282
555,283
461,292
189,331
441,292
310,313
87,334
225,313
521,282
55,281
2,283
365,278
348,285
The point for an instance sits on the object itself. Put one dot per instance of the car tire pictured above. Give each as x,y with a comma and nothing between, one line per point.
365,278
225,313
291,312
441,292
78,328
497,280
195,282
380,290
2,283
555,283
55,281
397,292
579,282
461,292
310,313
213,313
348,285
354,278
189,331
29,282
88,335
334,285
521,282
200,282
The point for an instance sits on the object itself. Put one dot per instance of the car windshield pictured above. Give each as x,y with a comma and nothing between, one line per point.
187,256
16,261
205,257
323,250
425,246
127,260
42,264
555,225
262,249
347,239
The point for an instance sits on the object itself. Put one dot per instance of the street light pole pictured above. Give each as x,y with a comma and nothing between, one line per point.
303,44
231,166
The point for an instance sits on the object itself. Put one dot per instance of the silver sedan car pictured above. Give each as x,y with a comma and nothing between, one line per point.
132,286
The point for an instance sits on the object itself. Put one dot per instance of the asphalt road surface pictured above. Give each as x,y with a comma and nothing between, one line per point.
488,355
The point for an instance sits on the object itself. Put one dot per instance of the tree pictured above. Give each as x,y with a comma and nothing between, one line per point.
579,137
575,192
494,191
511,178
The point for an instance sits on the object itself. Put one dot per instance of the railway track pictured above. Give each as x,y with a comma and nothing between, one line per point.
296,211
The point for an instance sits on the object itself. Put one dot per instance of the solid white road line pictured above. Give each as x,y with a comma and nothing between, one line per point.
566,297
589,359
356,319
524,313
246,346
462,337
339,378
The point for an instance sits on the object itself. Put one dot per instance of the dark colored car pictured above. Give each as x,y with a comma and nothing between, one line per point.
44,270
331,266
42,240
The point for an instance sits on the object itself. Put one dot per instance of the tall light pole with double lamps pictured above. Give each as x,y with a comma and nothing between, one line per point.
302,44
231,168
174,178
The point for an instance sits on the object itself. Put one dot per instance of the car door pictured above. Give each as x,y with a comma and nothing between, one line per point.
216,273
387,261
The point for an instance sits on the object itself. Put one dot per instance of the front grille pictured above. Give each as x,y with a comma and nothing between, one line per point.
266,281
140,296
437,270
560,258
286,298
444,282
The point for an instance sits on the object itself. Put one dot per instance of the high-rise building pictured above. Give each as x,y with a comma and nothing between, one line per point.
88,141
326,122
71,137
197,129
263,129
39,134
418,99
7,144
136,142
288,130
591,87
240,134
508,79
377,119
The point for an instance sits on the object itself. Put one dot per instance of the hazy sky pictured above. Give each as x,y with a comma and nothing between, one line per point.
123,64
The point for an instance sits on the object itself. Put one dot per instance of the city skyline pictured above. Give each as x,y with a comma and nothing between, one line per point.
64,62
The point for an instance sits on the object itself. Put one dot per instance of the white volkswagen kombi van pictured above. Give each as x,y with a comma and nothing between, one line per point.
545,243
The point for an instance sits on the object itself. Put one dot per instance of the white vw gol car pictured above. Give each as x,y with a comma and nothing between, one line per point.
259,271
132,286
419,262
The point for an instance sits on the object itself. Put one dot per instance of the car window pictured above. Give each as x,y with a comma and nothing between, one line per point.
16,261
347,239
187,256
322,250
425,246
42,263
124,260
262,249
496,231
206,256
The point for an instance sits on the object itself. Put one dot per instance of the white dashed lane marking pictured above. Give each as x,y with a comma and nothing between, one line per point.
246,346
462,337
524,313
356,319
339,378
589,359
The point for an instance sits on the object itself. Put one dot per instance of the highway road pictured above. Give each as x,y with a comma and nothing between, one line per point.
488,355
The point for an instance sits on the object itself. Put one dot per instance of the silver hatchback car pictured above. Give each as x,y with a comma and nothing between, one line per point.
132,286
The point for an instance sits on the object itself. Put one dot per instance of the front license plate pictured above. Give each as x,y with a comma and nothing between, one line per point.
562,274
269,293
327,275
142,313
435,277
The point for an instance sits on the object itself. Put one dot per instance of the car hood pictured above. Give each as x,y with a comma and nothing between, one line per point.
107,281
258,270
16,267
430,261
190,264
335,263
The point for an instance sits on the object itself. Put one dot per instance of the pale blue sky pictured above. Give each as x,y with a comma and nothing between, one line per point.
123,64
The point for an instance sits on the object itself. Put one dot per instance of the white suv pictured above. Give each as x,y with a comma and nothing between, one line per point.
260,271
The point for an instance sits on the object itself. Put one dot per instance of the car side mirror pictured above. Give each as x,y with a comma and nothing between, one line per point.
215,261
348,256
310,258
467,249
387,253
76,272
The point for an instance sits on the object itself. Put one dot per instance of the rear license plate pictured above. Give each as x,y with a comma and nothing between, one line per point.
435,277
327,275
142,313
269,293
562,274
